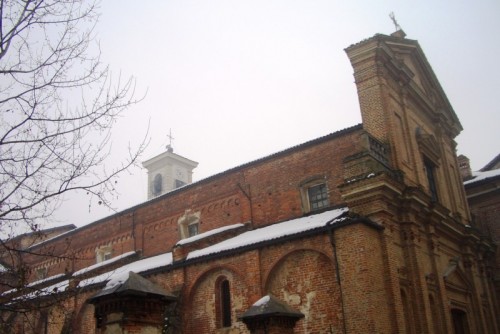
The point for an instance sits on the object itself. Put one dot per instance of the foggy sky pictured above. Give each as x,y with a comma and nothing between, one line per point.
238,80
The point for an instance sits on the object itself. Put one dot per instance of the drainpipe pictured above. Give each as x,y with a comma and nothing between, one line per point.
337,272
133,231
249,197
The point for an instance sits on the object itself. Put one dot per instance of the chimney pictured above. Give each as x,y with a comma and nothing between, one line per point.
464,166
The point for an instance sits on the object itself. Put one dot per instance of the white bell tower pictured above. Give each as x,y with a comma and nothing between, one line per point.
168,171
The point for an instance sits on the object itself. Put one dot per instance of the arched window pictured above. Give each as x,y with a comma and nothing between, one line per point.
157,185
223,303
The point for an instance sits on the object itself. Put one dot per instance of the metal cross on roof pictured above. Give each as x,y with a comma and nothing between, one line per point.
170,138
393,18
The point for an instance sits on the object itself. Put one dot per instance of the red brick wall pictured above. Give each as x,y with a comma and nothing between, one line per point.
362,271
306,281
485,209
263,192
200,311
300,273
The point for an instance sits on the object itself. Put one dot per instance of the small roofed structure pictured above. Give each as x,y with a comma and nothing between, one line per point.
131,300
270,315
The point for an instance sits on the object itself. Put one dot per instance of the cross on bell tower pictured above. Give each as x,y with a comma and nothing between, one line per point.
399,31
170,138
396,24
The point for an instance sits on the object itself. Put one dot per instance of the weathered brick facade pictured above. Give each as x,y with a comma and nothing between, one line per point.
404,260
483,195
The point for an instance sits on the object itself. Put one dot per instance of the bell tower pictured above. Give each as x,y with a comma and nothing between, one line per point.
168,171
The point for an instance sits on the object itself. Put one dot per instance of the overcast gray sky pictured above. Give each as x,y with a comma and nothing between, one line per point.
238,80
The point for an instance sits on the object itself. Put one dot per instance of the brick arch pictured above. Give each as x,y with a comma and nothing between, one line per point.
146,229
215,270
200,309
163,223
306,280
276,263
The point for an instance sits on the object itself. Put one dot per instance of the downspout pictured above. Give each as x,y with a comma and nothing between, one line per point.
249,197
133,231
337,273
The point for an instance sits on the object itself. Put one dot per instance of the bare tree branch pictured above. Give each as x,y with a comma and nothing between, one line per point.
51,144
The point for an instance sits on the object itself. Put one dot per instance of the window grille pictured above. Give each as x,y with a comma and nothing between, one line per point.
318,197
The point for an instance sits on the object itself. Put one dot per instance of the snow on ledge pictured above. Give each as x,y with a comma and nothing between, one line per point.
264,300
46,279
112,276
117,279
36,293
35,283
207,234
271,232
103,263
137,267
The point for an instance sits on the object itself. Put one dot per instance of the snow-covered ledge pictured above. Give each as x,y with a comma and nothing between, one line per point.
206,239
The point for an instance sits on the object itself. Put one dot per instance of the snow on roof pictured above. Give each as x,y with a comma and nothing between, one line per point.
117,279
480,176
35,292
35,283
103,263
137,267
208,233
58,236
262,301
50,278
271,232
113,275
490,165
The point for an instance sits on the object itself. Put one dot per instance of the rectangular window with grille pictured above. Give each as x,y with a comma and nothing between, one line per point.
318,197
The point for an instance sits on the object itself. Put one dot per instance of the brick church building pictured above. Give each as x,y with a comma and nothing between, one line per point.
365,230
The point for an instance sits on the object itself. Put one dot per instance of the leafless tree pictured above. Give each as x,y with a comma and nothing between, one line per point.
48,146
58,103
